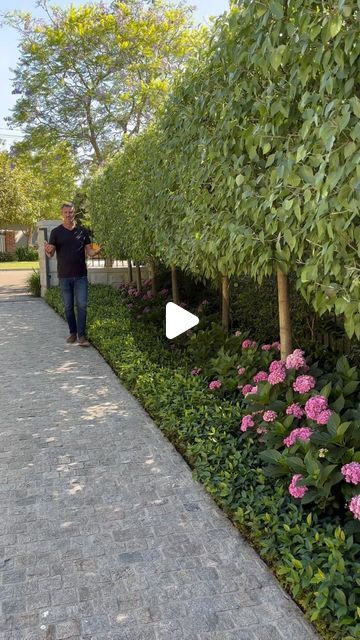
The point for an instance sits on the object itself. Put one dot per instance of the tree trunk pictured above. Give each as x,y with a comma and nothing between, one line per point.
174,285
284,314
225,299
138,276
28,234
130,271
153,276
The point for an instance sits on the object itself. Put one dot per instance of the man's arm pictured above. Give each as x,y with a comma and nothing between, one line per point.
49,249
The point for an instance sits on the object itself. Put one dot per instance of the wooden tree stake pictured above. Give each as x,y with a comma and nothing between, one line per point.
174,285
138,277
284,314
225,303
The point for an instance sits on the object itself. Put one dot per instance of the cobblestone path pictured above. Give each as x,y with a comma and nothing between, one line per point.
103,533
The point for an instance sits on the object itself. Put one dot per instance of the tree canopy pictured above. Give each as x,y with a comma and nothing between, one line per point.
258,169
90,74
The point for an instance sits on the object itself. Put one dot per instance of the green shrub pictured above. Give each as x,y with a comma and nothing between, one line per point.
6,257
27,254
311,555
33,283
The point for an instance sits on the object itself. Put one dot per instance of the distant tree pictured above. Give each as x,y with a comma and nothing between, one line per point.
19,203
91,74
33,183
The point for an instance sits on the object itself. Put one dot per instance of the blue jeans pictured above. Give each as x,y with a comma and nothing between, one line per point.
75,289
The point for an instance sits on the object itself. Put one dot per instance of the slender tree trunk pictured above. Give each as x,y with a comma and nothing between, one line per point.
174,285
92,134
284,314
130,271
29,234
153,275
138,276
225,299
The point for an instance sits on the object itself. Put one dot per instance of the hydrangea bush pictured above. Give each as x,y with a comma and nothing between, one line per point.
307,423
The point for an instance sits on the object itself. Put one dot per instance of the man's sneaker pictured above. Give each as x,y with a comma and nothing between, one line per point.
83,342
71,339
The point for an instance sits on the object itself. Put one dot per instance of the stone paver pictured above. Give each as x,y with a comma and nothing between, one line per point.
104,535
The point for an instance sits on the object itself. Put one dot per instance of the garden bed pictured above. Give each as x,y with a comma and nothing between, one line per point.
306,545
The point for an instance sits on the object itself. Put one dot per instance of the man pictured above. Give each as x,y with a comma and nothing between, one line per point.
72,244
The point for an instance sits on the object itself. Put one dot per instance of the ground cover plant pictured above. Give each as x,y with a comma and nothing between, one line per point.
308,544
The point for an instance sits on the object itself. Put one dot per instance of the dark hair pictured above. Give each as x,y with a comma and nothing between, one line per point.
67,204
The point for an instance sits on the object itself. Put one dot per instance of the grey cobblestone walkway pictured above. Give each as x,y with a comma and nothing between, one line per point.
103,533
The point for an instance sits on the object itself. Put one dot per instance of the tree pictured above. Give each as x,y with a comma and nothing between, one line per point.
55,169
19,204
92,74
34,183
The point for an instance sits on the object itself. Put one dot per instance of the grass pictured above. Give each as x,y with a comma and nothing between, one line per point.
8,266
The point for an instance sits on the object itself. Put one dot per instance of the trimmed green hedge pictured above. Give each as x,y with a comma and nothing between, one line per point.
312,557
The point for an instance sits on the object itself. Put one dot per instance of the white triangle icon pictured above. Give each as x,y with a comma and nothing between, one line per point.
178,320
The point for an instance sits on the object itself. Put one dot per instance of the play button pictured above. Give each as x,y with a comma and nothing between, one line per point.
178,320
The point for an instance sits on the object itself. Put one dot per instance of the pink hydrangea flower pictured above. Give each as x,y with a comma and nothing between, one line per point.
303,433
324,416
246,423
316,407
260,376
276,345
246,389
269,416
275,365
295,360
303,384
265,347
215,384
354,506
164,292
247,344
295,490
253,389
196,372
261,430
295,410
351,472
241,371
277,375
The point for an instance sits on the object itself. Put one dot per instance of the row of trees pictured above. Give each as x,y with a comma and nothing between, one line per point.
252,166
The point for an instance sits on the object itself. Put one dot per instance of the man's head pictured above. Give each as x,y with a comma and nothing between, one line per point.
67,212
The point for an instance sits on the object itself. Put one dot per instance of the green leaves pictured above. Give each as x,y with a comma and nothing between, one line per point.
92,74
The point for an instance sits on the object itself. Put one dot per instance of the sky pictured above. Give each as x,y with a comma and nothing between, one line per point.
9,53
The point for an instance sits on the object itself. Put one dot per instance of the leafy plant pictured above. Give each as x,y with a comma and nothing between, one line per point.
33,283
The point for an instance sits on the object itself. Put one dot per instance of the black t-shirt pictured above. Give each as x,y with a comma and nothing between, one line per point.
70,250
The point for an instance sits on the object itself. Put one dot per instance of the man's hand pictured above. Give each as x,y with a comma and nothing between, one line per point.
90,252
49,249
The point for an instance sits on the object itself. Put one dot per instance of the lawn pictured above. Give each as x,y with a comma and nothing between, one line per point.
6,266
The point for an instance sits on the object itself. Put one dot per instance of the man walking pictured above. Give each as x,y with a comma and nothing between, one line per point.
72,244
